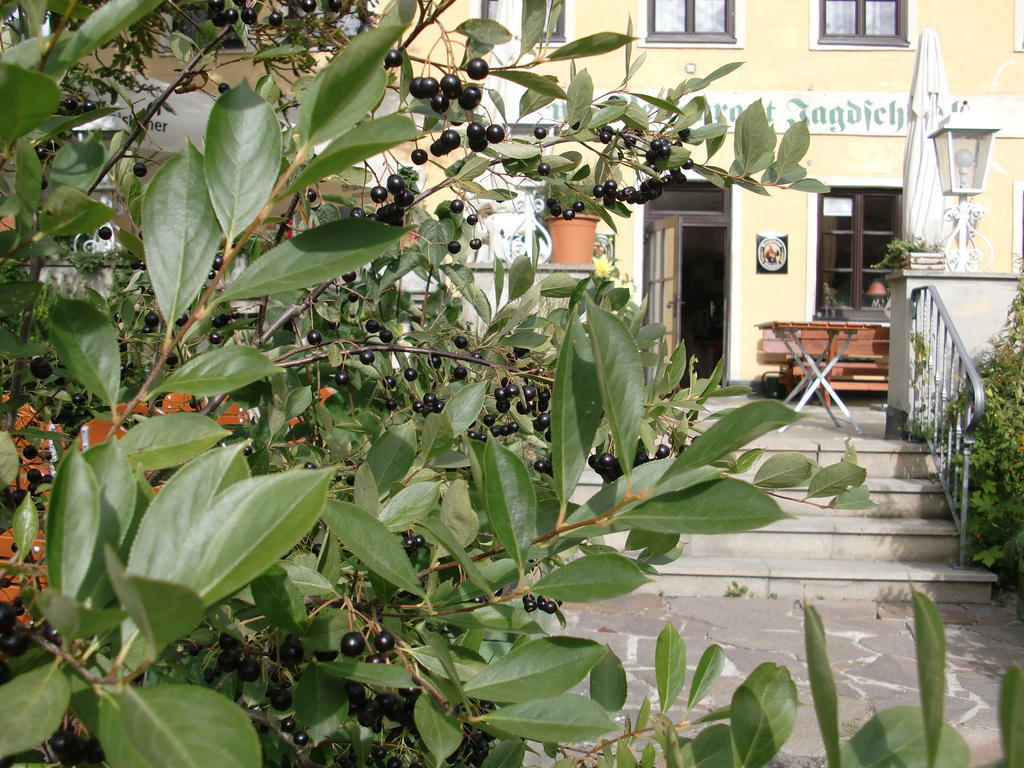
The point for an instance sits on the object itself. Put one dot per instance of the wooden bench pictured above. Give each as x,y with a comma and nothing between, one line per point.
863,367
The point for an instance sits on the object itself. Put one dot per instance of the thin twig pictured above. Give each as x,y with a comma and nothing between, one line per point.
140,124
259,718
397,348
71,661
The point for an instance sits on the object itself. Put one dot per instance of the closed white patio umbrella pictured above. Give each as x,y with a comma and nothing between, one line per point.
923,203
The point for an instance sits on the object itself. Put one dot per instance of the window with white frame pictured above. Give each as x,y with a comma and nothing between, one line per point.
863,22
698,21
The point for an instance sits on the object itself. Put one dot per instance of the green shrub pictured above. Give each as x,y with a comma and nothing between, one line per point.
997,467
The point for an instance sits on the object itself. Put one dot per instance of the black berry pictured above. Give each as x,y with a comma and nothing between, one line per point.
477,69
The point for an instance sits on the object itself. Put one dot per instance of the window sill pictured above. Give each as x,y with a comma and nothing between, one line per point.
695,41
860,44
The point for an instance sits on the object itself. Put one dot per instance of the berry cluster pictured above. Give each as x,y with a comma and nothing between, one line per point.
533,603
609,467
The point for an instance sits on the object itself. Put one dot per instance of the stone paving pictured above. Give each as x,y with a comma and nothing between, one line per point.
870,646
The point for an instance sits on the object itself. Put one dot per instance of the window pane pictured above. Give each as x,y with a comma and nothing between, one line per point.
880,17
836,252
670,15
840,17
709,17
836,287
880,214
874,248
489,9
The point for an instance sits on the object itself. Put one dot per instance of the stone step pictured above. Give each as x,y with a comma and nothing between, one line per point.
893,497
822,537
881,458
791,578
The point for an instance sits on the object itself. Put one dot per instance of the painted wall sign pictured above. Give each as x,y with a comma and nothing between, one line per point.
772,253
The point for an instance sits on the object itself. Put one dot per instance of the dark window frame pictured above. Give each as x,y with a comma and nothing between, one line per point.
691,36
557,34
861,274
861,38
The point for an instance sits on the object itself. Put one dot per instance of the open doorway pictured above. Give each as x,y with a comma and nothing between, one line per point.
686,237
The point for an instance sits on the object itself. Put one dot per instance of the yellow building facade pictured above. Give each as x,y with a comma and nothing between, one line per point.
846,67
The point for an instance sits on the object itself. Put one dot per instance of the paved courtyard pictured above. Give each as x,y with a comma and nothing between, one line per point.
870,645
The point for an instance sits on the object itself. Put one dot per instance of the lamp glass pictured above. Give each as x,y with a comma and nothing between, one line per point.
963,158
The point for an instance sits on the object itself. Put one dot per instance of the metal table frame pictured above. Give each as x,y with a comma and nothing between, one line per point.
817,368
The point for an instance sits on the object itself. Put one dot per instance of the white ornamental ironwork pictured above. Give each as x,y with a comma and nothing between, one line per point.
967,250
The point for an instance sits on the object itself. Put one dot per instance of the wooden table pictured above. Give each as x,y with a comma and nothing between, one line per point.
816,364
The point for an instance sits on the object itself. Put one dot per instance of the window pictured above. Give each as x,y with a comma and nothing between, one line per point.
854,226
700,21
863,22
489,10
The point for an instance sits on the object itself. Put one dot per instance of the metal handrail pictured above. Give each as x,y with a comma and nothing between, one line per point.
947,400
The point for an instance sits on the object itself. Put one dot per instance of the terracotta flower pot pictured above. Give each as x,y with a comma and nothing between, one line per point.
572,242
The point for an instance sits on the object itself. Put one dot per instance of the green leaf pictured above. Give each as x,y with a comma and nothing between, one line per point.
810,185
75,530
10,462
500,618
457,513
179,509
1011,717
69,211
669,665
620,377
581,96
592,45
371,541
332,105
277,598
182,233
163,612
86,342
520,277
16,297
28,97
362,142
836,479
719,506
533,18
486,31
593,577
855,498
243,151
437,436
732,432
762,715
540,668
184,726
795,143
608,682
103,24
119,489
508,754
410,505
72,619
930,644
171,439
438,533
321,704
315,256
465,284
464,408
895,737
708,669
25,526
77,164
441,733
217,370
712,748
383,675
823,685
784,470
250,525
755,136
564,718
510,499
545,85
34,707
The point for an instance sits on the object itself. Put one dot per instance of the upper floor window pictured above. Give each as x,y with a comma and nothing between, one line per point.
863,22
489,10
699,21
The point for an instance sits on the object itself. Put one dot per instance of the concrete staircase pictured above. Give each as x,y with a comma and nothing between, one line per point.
873,554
